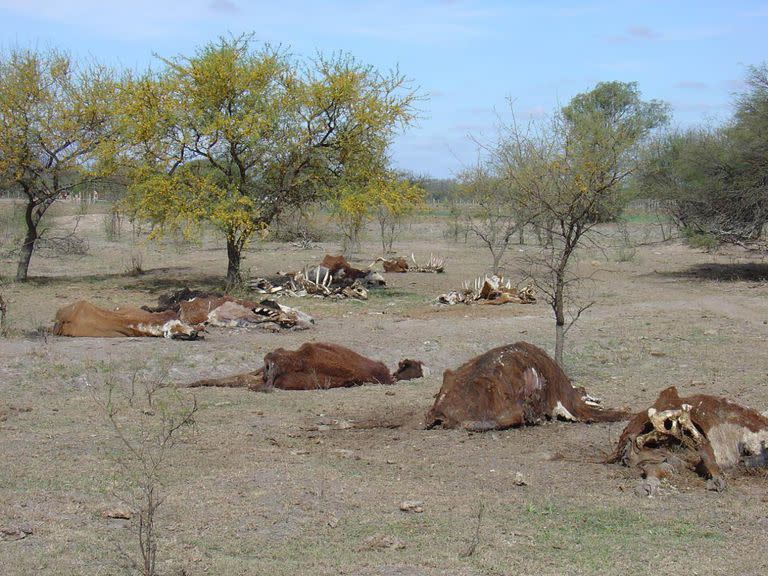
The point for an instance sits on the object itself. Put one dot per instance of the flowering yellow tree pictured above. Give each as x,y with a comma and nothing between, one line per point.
55,131
385,196
234,136
397,197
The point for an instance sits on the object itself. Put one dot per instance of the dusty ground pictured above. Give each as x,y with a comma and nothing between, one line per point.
278,484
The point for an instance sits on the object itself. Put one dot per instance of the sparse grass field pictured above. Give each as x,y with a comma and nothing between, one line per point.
275,484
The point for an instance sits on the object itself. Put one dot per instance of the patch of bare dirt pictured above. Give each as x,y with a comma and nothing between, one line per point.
311,482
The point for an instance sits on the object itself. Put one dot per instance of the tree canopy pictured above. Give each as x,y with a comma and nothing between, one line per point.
715,180
387,196
55,131
234,135
495,213
569,174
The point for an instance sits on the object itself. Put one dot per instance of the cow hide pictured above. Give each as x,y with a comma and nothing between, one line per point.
316,366
512,385
409,369
343,272
705,433
397,265
84,319
400,265
232,312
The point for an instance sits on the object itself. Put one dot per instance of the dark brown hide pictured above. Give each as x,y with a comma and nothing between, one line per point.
725,434
340,268
343,273
234,312
84,319
196,311
315,366
511,386
399,265
320,366
408,370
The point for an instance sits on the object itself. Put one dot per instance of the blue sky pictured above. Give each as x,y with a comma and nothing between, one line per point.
469,58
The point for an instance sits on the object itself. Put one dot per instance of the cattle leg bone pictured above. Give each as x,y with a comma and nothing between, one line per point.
671,423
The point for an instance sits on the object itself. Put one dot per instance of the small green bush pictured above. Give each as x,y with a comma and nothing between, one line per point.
699,239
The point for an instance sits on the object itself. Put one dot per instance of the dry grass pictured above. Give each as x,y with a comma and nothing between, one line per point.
273,485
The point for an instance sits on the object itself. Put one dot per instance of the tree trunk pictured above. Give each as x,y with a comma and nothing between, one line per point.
497,260
559,343
234,253
559,308
383,240
351,240
3,319
25,254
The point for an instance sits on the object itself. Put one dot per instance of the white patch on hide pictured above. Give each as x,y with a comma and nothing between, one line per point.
732,443
168,327
560,411
532,380
303,320
150,329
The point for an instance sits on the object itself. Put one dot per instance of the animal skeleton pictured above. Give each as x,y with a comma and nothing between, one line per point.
400,264
489,290
310,282
435,264
319,286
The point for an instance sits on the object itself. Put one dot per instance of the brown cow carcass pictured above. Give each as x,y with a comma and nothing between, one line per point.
229,312
398,265
704,433
489,290
316,366
84,319
342,272
333,278
513,385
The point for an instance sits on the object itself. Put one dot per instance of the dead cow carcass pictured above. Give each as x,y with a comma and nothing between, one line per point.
231,312
342,272
319,282
400,265
196,307
489,290
701,432
508,386
84,319
316,366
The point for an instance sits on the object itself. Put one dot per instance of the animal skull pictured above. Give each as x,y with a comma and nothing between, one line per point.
671,424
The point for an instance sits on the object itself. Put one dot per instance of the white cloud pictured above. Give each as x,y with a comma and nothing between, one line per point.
223,6
126,20
691,85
